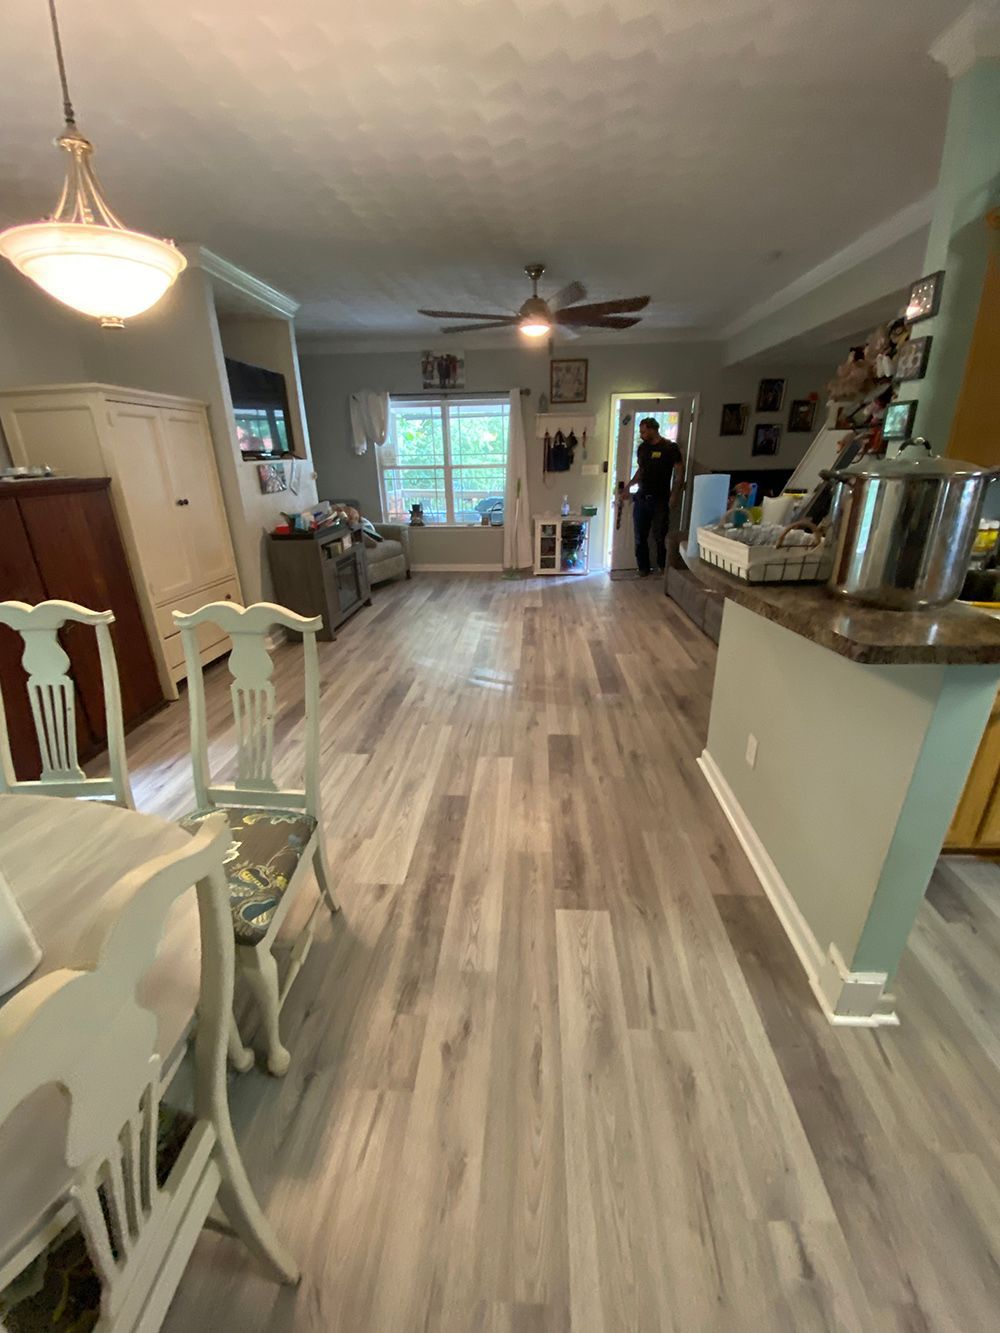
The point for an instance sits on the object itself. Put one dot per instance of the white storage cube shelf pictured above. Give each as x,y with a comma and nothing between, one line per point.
562,543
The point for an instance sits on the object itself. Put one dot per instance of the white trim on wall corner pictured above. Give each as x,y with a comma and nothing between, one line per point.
870,243
457,569
262,293
973,36
850,999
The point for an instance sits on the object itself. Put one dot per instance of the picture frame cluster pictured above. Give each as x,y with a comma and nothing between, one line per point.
767,434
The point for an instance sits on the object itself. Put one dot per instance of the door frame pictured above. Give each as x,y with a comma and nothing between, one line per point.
612,455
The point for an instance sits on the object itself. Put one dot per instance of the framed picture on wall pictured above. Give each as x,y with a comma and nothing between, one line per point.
568,380
770,395
801,415
272,478
734,418
911,364
766,438
925,297
442,370
898,423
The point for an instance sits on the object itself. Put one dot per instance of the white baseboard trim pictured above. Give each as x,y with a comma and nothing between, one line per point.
855,999
457,569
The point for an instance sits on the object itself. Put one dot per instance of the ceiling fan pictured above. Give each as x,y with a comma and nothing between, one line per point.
563,310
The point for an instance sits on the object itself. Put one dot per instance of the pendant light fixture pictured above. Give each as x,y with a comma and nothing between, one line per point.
84,255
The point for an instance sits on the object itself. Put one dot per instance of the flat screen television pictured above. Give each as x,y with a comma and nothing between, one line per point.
260,405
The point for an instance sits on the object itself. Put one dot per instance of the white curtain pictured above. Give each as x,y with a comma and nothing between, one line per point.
516,515
369,418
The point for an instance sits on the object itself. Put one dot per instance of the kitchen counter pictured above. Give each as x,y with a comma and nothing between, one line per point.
952,636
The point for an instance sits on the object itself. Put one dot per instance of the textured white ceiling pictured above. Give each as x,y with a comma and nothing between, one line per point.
372,157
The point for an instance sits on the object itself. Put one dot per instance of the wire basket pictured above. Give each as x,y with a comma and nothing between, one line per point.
765,564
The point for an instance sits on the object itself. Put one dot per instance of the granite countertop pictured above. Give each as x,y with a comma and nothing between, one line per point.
955,635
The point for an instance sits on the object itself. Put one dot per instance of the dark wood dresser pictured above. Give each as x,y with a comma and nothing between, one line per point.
59,539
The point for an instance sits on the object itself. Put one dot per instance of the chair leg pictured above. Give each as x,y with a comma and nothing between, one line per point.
261,972
240,1057
323,875
244,1214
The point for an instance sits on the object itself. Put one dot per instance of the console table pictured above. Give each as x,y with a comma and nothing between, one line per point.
322,573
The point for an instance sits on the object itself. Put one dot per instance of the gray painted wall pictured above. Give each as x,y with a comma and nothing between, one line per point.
825,817
329,377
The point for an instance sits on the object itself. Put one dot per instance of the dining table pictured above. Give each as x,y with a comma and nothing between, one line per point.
61,858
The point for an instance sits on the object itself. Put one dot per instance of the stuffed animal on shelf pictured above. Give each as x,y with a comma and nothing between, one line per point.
853,380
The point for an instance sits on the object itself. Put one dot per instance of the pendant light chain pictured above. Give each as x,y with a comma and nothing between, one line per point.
68,111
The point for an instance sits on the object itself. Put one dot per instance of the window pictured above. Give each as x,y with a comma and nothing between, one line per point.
449,455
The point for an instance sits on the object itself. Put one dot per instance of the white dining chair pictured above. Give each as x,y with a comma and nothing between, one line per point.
276,832
52,697
142,1180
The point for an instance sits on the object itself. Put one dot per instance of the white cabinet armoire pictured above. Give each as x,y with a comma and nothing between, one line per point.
158,452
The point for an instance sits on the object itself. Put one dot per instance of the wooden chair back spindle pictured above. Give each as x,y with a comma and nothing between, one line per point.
254,704
52,698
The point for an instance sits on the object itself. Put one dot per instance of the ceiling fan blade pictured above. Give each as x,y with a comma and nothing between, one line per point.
604,322
568,295
471,328
582,313
466,314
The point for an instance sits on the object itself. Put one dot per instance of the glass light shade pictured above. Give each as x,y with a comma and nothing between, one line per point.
109,273
533,328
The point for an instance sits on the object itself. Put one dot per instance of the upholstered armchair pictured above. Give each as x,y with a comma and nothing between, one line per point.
390,557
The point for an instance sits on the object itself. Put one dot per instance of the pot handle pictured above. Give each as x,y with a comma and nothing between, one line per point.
917,440
806,525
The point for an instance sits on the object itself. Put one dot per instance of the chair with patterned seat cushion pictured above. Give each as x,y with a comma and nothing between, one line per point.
141,1178
276,834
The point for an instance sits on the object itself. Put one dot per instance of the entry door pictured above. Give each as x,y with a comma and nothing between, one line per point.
674,413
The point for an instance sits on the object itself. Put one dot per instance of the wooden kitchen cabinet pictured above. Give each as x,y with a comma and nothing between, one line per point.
976,826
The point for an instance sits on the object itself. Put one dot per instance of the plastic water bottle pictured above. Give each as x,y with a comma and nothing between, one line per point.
565,506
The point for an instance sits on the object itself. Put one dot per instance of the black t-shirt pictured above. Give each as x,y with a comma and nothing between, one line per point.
657,460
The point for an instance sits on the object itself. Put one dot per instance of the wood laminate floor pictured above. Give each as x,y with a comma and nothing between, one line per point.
555,1066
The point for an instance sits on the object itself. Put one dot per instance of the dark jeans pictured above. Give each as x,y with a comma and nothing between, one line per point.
650,514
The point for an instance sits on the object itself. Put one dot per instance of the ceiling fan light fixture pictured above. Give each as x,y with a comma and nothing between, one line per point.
535,321
83,255
533,327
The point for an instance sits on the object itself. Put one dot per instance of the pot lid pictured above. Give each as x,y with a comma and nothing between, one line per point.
914,464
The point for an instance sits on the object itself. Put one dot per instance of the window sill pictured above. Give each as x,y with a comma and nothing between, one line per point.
445,527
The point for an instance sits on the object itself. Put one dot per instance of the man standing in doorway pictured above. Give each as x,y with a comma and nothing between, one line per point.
659,469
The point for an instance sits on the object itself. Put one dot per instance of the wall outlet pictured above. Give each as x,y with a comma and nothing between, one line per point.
751,751
590,470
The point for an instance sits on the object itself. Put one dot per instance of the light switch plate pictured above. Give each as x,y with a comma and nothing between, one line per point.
751,750
590,470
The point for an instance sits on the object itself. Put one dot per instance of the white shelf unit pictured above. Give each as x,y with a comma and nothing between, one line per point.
562,543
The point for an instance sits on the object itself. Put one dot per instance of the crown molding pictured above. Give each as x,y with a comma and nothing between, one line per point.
866,246
974,36
260,292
